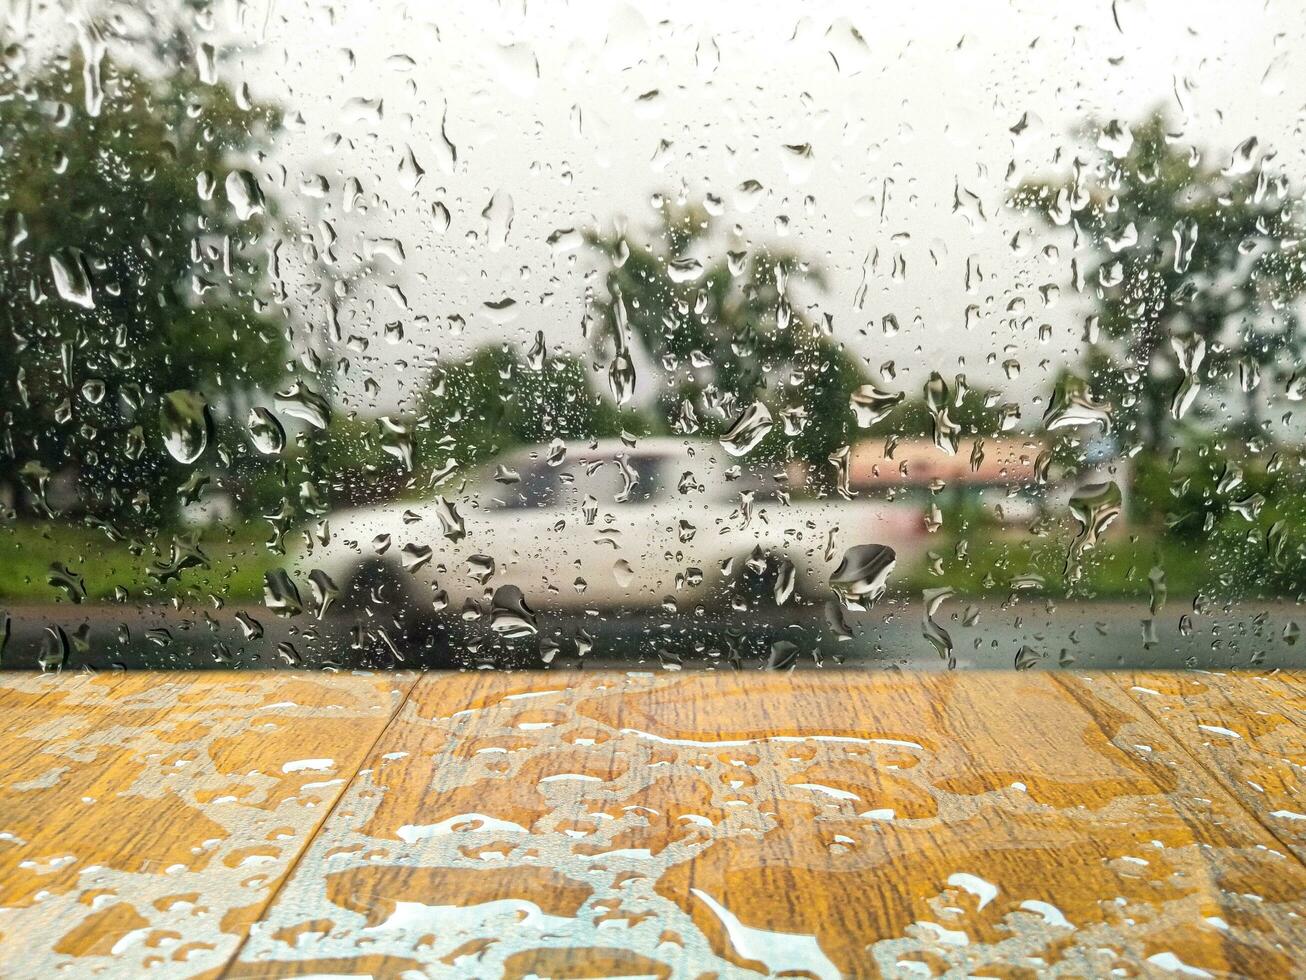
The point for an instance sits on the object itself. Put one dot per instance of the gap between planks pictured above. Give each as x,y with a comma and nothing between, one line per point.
1125,683
311,836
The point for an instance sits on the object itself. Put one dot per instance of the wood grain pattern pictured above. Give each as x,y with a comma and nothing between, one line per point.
1248,731
571,825
820,825
145,820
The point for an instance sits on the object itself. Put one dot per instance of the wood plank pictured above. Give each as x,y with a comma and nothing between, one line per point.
1247,730
1294,681
147,819
826,824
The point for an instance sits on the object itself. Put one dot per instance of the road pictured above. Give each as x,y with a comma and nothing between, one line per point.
984,634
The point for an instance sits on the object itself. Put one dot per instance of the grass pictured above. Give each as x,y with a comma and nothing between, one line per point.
993,562
1121,567
237,559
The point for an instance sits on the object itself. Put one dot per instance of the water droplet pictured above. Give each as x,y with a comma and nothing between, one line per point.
280,594
1094,508
415,555
684,270
1249,374
841,460
871,404
536,355
206,63
1157,588
244,194
94,390
750,428
861,576
621,377
250,628
835,620
939,637
795,419
397,439
798,162
1190,351
62,577
410,171
55,649
501,311
72,279
1027,657
510,616
783,656
440,215
498,215
446,153
302,402
1116,138
623,573
481,568
563,241
186,424
1243,158
1185,240
324,591
1072,404
945,432
266,432
451,522
786,579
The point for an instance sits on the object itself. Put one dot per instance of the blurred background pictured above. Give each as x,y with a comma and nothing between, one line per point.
592,334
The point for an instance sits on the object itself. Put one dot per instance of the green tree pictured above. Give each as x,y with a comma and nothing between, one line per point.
1193,262
726,331
495,400
128,267
913,419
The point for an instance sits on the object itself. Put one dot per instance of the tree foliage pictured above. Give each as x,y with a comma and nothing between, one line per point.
126,270
726,330
1188,258
493,400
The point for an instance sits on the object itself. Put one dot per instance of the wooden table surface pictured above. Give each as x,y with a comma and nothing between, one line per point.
698,825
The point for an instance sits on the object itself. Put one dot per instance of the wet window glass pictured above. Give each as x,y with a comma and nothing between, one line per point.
367,335
664,489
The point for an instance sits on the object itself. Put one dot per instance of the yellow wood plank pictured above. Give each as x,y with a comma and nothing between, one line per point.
1247,730
1295,682
823,824
146,819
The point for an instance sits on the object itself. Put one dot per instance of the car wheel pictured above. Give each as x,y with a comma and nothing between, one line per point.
386,623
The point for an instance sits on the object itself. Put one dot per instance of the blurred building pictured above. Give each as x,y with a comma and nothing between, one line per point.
1008,481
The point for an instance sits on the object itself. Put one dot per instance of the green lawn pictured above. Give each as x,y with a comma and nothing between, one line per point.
237,559
994,563
1121,566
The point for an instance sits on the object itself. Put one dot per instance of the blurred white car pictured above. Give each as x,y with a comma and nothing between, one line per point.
669,526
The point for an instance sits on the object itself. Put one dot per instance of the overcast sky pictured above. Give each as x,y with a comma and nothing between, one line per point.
570,115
